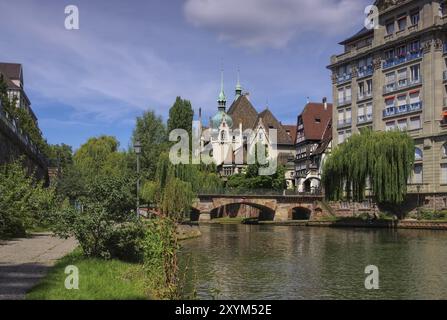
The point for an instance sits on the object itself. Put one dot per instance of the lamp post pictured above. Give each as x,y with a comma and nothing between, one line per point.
137,149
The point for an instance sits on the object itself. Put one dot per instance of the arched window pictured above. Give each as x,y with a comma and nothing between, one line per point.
222,135
417,154
444,150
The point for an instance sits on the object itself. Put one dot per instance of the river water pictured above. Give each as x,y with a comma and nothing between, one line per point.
275,262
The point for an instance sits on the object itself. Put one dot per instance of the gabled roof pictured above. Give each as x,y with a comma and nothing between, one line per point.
11,71
316,119
242,111
270,122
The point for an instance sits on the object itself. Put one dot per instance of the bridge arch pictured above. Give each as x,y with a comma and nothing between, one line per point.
246,209
300,213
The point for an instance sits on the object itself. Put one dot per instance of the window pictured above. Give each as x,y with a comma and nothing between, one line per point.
444,150
361,113
402,51
348,93
348,134
389,54
444,173
401,101
402,23
341,116
341,95
361,89
417,174
415,123
389,125
341,137
390,77
415,46
402,77
390,28
418,154
369,85
414,97
414,18
389,102
222,135
402,124
415,73
348,115
369,111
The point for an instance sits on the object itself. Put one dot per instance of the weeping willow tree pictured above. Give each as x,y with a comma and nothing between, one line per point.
385,159
176,186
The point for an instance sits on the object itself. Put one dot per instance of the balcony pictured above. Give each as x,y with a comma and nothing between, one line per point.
364,95
344,78
344,101
344,123
403,59
365,71
401,84
404,109
364,119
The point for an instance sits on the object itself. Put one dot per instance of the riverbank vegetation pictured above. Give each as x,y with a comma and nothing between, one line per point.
379,161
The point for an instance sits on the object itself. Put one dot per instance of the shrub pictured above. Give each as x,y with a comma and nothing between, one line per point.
24,201
126,241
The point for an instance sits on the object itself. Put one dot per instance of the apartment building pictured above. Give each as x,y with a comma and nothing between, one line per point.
394,77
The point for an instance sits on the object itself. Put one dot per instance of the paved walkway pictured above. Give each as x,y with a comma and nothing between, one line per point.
23,262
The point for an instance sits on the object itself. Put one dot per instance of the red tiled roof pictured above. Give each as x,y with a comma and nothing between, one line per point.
315,120
292,129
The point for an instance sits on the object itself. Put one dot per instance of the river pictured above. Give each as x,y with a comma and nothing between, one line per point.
276,262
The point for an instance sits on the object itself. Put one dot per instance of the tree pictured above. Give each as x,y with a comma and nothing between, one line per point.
384,158
151,132
181,116
60,156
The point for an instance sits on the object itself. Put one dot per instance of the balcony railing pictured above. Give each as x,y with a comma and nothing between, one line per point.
344,78
364,119
397,110
365,71
344,101
401,84
403,59
344,123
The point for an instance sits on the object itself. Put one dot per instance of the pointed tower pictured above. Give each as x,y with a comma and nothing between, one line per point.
221,100
238,90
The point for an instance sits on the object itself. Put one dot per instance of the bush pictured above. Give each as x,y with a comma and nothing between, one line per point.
24,201
432,215
99,233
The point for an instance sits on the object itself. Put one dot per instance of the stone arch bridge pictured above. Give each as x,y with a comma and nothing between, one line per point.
271,207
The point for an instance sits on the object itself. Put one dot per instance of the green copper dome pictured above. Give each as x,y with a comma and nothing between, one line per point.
218,117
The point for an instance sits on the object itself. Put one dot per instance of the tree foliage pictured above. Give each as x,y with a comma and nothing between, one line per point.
181,116
384,158
151,132
24,201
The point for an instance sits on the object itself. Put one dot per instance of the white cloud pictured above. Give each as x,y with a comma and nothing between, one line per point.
273,23
101,77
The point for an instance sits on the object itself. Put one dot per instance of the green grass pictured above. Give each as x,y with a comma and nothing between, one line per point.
98,280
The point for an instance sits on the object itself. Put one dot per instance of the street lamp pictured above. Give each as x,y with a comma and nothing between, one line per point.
137,149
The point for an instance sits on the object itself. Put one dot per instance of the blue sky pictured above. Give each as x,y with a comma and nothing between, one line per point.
131,56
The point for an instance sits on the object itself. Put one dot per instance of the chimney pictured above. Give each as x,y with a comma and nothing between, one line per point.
325,103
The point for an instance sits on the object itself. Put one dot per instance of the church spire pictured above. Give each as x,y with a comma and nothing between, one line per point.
238,90
222,100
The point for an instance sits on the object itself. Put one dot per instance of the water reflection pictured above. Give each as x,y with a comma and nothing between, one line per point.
272,262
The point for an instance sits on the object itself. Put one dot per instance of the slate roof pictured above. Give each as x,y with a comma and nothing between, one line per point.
11,71
362,33
292,129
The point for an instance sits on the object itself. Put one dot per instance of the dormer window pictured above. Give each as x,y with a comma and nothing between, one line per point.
317,120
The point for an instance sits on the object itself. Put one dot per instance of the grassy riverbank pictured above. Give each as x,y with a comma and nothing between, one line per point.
98,279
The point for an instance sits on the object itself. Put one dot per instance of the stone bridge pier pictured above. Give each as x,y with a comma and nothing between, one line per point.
274,208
